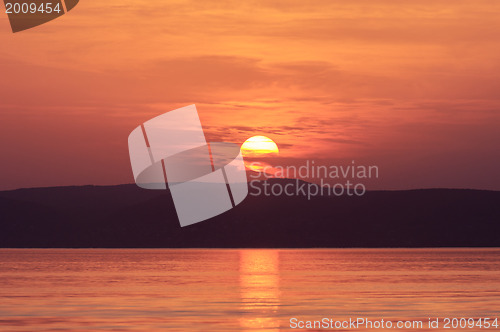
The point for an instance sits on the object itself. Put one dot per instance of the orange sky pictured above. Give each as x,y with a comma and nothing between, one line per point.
413,88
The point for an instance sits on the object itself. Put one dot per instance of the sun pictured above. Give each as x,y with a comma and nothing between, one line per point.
259,146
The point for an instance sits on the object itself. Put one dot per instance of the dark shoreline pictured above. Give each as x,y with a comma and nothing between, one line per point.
126,216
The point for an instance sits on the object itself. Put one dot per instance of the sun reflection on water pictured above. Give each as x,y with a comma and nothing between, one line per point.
259,287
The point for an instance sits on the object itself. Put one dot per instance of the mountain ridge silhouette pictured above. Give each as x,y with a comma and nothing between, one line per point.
125,216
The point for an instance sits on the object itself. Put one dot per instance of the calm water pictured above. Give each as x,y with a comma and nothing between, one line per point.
240,290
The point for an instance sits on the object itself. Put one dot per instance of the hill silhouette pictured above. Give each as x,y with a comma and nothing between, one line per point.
126,216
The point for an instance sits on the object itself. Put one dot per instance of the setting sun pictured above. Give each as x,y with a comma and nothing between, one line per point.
259,146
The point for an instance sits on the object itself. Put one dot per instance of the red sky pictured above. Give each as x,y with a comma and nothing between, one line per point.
411,87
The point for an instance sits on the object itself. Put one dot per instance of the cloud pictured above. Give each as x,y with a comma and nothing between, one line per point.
333,79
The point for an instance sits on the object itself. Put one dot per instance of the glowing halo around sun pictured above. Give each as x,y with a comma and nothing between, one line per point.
259,147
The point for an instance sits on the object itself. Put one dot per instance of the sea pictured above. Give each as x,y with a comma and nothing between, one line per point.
250,289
